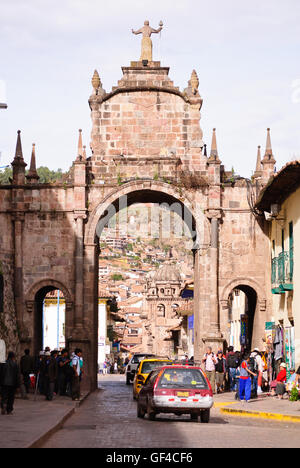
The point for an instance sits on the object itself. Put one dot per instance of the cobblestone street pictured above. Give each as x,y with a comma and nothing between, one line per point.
108,419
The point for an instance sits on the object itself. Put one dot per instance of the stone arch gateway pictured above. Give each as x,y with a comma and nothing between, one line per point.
147,146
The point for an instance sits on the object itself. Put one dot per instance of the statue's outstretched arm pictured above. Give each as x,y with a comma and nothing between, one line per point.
139,31
156,30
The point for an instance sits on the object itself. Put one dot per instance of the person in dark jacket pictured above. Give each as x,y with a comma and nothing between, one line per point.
220,371
9,381
232,364
64,372
49,371
26,368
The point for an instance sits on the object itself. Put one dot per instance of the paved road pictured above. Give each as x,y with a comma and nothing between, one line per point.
108,420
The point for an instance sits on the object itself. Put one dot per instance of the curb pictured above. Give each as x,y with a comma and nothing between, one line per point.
44,437
262,415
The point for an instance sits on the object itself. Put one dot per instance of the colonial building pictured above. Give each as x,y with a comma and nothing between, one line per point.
279,202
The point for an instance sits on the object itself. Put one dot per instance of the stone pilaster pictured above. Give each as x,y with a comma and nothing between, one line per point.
18,221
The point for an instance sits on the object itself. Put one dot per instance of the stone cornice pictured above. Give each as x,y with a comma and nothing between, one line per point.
132,89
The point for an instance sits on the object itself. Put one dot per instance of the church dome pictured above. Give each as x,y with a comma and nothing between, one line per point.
167,273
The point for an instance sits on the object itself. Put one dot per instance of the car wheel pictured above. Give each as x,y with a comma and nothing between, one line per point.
140,412
205,416
151,413
127,380
194,417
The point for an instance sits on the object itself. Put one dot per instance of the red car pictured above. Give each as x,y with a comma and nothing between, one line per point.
176,389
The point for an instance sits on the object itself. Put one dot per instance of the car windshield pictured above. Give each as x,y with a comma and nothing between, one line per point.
149,366
137,358
182,378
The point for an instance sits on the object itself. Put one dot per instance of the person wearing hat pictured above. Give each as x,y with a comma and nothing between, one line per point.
281,381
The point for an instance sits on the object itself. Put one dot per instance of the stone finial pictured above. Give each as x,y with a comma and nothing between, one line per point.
32,176
80,147
268,162
19,152
194,82
214,148
84,152
96,82
258,169
214,157
18,163
269,152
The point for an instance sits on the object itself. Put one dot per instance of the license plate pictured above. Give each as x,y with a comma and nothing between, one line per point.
183,394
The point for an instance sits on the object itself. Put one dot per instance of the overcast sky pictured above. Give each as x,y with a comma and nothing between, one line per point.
246,55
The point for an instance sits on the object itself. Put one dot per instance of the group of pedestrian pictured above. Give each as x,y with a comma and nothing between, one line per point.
216,367
51,373
112,366
240,372
59,373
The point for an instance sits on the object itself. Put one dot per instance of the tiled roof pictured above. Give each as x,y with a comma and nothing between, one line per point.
280,186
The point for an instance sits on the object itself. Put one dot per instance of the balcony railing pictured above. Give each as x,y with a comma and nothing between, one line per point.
282,272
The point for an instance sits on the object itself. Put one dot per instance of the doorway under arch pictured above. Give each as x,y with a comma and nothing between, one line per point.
242,305
51,305
50,315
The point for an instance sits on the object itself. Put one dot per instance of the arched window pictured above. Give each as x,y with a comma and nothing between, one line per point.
1,294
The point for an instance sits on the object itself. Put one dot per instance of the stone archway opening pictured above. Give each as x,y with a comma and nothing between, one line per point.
172,208
49,319
120,203
242,305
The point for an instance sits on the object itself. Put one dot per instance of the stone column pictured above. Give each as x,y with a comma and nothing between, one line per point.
214,265
79,300
197,318
201,300
18,219
212,335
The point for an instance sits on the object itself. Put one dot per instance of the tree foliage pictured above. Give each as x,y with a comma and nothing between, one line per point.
5,175
46,175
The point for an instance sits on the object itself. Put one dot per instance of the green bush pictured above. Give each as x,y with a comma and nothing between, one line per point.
294,394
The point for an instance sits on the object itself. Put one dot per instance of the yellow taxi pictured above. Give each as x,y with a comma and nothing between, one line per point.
145,367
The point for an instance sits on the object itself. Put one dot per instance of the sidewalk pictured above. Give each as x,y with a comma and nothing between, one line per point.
34,421
264,407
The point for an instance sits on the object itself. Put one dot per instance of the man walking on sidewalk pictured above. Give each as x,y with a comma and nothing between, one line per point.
9,382
210,361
